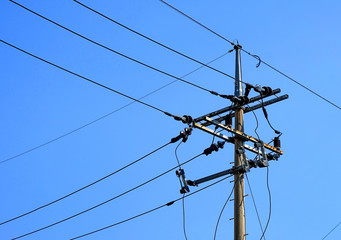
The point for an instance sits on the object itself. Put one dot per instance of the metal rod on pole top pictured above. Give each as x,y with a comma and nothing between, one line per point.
239,208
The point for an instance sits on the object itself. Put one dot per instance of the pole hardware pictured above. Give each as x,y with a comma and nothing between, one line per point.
214,147
226,109
183,134
247,109
242,135
184,119
183,182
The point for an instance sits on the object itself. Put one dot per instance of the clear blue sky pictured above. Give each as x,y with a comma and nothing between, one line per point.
40,103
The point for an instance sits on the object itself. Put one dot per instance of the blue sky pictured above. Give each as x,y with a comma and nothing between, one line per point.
40,103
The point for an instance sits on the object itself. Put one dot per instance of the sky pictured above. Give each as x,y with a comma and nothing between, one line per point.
40,102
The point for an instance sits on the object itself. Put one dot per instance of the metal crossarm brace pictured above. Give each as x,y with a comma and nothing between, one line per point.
223,110
226,138
249,109
243,135
213,176
208,130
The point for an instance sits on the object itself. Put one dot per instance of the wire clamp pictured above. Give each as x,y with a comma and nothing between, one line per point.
214,147
183,135
183,182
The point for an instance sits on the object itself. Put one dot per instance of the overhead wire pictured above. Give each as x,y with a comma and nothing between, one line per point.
152,210
253,200
223,208
331,231
87,79
108,114
184,215
85,187
107,201
254,56
183,195
152,40
254,204
116,52
270,208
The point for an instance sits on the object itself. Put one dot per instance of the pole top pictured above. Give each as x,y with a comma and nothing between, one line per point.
237,46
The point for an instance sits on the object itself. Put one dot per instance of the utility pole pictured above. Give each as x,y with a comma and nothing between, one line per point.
242,164
239,207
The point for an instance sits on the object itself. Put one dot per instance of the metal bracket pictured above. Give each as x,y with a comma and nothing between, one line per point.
243,135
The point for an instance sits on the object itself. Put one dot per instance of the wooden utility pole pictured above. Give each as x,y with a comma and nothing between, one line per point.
239,209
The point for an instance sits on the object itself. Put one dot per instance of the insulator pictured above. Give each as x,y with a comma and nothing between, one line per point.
228,120
277,143
187,119
221,144
267,91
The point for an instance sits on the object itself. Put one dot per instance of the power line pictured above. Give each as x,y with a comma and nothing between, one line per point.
268,187
108,114
222,210
202,25
118,53
254,56
331,231
183,195
82,188
152,210
87,79
254,204
152,40
107,201
184,216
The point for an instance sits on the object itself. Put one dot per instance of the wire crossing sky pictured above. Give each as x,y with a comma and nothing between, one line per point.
42,105
255,56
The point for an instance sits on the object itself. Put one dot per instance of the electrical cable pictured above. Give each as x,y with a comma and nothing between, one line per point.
331,231
152,210
222,210
267,185
184,216
254,114
86,186
152,40
254,204
176,155
116,52
183,195
107,201
254,56
108,114
267,117
87,79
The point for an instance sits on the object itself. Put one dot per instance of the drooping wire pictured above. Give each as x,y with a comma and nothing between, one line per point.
152,40
254,204
108,114
222,210
268,187
86,186
176,154
331,231
183,195
107,201
152,210
184,215
267,117
87,79
254,56
116,52
255,130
